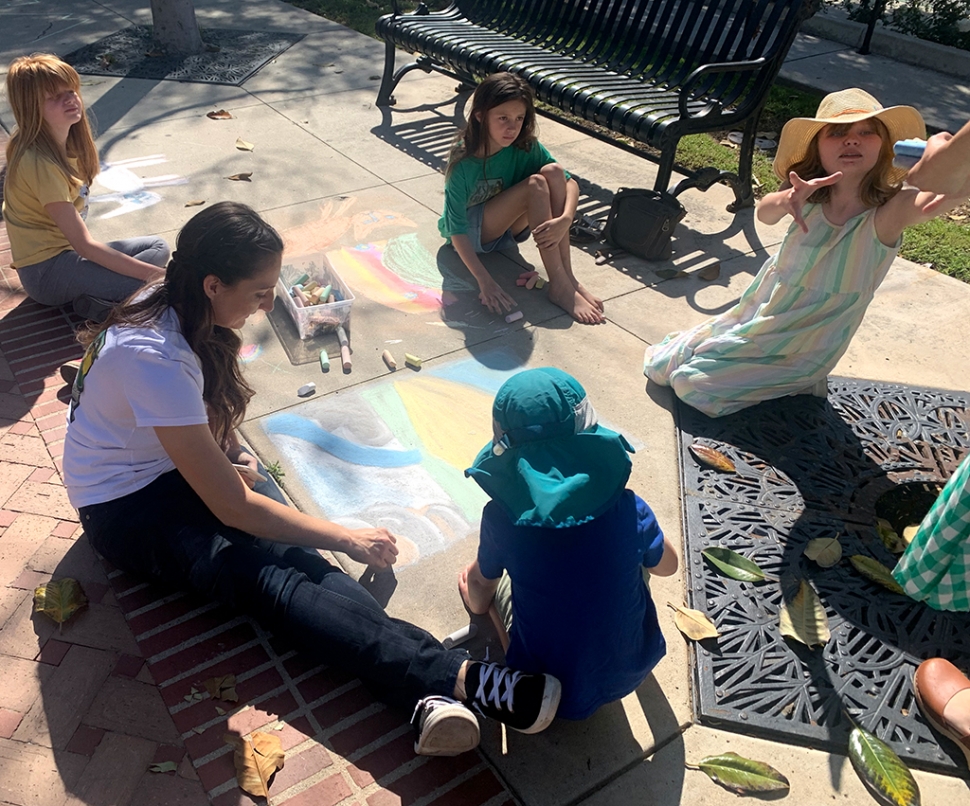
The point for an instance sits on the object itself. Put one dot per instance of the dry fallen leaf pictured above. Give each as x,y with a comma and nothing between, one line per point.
804,618
60,599
195,203
669,274
220,711
256,760
164,766
826,551
243,177
707,455
219,114
692,623
222,688
242,145
711,272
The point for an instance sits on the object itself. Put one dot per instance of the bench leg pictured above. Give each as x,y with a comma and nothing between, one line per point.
390,79
743,192
384,96
665,168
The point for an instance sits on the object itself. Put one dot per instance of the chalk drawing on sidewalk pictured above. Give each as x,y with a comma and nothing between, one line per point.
377,260
393,453
129,191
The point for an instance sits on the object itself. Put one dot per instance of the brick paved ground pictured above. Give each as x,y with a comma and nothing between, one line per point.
84,711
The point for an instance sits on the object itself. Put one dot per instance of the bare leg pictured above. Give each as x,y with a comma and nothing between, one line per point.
528,204
556,178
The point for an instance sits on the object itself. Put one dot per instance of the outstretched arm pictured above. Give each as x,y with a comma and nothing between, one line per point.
70,223
911,206
207,469
490,294
792,198
945,166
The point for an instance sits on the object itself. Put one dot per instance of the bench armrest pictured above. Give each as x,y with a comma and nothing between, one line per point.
703,71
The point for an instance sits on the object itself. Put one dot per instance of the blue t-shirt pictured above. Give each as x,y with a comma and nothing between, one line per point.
580,609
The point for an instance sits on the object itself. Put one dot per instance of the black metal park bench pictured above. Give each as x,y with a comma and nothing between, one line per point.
652,70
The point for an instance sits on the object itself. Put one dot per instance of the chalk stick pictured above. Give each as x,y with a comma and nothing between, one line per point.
338,294
515,316
531,282
540,282
466,633
389,360
412,361
325,291
306,390
308,288
302,297
324,361
297,301
344,348
527,274
301,279
331,300
521,281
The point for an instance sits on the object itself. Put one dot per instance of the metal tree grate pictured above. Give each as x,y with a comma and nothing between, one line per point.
810,468
233,56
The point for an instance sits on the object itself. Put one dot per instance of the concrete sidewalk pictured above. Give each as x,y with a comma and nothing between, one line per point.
85,711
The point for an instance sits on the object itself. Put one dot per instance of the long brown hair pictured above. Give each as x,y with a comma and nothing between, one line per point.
497,89
876,189
228,240
31,80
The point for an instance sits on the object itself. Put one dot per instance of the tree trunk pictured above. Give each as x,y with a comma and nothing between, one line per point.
175,28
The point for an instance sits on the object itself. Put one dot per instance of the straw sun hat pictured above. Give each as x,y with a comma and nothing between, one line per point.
846,106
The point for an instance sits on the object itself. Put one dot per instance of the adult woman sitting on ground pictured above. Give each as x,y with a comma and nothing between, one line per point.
148,464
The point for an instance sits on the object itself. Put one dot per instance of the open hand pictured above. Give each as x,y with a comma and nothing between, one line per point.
373,547
494,298
799,192
549,233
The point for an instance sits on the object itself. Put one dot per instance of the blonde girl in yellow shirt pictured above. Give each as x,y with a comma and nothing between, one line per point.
51,161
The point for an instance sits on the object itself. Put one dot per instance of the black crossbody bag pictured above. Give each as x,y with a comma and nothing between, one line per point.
642,222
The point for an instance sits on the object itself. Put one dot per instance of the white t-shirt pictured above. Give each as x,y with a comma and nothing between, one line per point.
131,379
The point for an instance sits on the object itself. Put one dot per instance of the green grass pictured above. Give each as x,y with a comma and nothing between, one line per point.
941,243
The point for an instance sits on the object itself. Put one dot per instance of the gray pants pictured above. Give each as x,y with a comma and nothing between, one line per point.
64,278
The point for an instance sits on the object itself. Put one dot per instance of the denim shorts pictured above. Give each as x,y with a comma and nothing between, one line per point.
506,240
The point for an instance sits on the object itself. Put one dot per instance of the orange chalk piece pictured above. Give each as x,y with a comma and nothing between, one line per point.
531,282
389,360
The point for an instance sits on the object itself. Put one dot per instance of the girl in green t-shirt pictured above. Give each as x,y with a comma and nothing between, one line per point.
501,183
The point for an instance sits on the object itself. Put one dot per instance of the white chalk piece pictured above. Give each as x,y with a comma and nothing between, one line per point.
466,633
515,316
306,390
247,472
324,360
344,348
389,360
412,361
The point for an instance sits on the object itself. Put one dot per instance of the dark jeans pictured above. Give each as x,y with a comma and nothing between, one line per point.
166,533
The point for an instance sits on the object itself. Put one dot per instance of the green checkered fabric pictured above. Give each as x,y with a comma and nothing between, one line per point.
936,567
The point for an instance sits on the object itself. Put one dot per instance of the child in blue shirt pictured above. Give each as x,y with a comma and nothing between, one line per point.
571,541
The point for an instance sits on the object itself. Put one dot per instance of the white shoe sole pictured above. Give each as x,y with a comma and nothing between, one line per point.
551,694
448,731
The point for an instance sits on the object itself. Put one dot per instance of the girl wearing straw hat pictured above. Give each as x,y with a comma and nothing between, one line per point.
796,319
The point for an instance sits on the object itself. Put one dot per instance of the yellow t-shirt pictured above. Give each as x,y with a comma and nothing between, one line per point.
34,237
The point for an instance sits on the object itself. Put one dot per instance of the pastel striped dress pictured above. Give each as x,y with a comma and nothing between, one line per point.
790,327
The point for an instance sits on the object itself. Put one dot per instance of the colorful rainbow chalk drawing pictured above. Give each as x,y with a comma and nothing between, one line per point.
393,453
398,272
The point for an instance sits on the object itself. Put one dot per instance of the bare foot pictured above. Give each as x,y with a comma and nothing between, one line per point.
593,300
574,303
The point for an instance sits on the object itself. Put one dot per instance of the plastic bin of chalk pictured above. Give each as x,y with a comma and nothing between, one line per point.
316,319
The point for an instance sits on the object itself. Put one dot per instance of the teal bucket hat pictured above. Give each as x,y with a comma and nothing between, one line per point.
550,463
